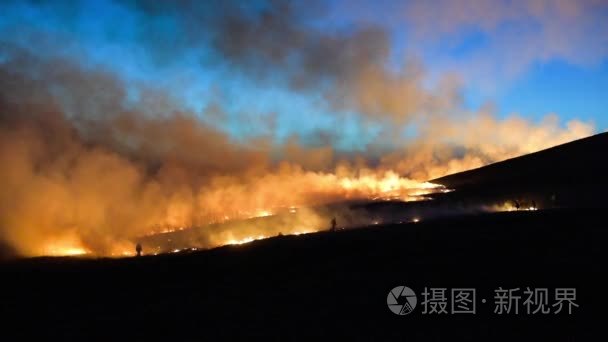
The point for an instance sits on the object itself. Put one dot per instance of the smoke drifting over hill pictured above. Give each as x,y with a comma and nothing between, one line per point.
88,167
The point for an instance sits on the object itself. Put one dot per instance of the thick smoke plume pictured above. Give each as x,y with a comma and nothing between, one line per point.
85,167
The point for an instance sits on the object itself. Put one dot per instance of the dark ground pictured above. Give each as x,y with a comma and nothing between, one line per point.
323,285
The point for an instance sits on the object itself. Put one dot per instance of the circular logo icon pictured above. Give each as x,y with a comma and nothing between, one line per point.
401,300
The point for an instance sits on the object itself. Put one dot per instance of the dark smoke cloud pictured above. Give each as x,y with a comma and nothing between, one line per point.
275,39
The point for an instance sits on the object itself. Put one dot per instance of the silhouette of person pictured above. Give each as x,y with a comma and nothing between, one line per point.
333,224
138,249
517,205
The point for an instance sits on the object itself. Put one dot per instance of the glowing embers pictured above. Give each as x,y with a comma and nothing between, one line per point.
245,240
262,213
64,246
249,239
65,251
421,193
514,206
415,219
389,186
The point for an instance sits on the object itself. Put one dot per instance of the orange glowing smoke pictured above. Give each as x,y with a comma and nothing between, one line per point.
93,179
305,189
99,203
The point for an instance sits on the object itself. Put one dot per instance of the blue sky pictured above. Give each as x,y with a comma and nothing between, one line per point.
559,87
518,59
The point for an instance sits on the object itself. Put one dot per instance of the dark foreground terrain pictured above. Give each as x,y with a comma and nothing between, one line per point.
324,285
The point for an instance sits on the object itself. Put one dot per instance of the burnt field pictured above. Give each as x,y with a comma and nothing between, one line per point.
323,284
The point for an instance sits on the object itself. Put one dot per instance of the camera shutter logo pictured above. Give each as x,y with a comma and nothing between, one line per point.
401,300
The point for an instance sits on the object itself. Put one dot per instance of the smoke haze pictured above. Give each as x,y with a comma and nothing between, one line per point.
86,165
